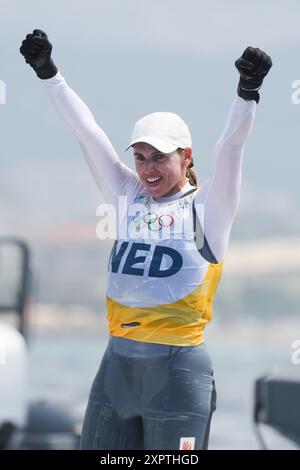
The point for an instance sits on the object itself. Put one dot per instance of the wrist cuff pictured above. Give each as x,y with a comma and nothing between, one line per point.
47,71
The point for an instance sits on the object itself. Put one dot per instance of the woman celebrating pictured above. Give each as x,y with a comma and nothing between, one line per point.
155,386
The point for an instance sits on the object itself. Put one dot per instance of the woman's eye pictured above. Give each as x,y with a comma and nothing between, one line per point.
140,158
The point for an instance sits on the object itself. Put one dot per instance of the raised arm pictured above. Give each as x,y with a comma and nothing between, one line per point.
222,195
112,177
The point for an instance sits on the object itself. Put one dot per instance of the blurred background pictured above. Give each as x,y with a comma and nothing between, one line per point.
125,60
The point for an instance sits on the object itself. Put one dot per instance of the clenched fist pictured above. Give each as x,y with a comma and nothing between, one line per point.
36,50
253,66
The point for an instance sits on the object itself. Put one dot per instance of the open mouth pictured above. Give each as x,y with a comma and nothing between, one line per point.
153,182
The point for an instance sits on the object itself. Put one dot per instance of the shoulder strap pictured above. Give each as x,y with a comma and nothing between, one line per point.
200,239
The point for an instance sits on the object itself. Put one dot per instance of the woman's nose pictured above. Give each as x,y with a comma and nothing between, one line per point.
149,166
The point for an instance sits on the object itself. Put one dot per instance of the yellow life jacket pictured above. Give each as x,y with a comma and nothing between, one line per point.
162,275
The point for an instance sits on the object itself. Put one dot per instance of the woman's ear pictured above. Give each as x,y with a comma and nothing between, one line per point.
188,156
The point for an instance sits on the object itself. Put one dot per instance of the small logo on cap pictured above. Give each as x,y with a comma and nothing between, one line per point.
187,443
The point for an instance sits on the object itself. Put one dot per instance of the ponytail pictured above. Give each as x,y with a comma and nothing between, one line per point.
191,175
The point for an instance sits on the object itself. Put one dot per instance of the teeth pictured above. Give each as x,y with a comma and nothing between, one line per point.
152,180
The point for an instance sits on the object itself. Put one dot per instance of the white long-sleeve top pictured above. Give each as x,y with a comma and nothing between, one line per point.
219,195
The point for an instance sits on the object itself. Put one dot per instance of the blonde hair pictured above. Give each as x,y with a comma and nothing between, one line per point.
190,173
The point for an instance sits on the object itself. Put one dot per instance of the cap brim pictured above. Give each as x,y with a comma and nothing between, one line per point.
156,142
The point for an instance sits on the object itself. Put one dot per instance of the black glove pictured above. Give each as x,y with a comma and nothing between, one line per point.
253,66
36,50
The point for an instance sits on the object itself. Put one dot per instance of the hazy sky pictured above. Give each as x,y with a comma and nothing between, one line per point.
130,58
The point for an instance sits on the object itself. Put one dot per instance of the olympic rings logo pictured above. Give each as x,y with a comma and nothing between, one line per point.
154,221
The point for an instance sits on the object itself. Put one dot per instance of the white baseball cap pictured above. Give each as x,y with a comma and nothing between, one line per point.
164,131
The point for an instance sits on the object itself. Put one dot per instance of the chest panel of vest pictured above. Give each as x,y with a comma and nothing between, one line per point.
162,275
